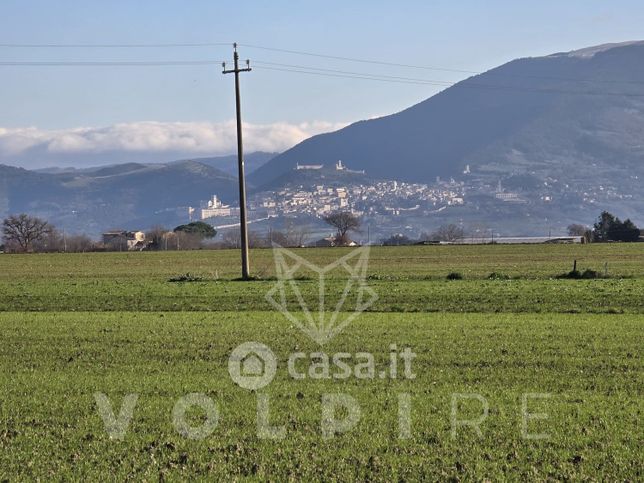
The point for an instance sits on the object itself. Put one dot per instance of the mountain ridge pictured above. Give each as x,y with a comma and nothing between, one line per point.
462,124
129,196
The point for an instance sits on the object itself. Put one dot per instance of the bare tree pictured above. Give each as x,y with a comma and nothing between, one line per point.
296,234
343,222
576,229
278,238
448,233
23,231
478,232
580,230
257,240
231,239
52,241
187,241
79,244
157,236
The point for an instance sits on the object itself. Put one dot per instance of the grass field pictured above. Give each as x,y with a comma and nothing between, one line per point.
74,325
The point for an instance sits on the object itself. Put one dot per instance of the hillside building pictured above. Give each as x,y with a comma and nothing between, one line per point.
341,167
214,208
299,166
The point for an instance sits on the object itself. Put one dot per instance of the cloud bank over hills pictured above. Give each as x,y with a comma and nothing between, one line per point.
147,141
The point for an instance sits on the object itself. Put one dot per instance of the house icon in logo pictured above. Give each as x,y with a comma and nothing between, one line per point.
252,365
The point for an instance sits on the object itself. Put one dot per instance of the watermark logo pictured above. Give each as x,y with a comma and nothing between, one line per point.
321,323
252,365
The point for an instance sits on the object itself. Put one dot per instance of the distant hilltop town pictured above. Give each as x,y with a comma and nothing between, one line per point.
316,190
322,197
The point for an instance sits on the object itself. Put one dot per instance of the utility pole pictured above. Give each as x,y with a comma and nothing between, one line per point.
240,164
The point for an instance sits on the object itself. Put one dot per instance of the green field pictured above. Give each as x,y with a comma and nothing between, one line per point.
77,324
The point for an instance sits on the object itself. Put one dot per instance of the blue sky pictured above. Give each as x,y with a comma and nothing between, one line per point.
467,35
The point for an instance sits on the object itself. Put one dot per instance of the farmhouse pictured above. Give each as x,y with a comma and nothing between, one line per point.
124,240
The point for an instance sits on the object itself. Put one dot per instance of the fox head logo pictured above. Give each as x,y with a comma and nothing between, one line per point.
321,323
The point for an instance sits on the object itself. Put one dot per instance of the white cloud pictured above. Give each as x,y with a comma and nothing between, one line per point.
198,138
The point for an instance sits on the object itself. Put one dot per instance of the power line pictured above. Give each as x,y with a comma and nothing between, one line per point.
219,44
410,80
309,70
364,61
344,76
303,53
117,46
134,63
425,67
347,74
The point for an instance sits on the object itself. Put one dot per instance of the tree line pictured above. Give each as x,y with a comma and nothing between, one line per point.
23,233
29,234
